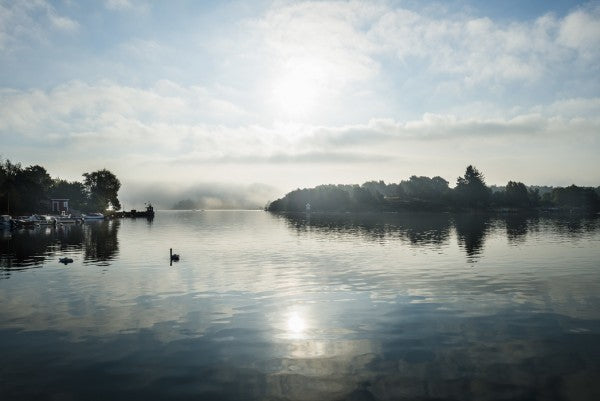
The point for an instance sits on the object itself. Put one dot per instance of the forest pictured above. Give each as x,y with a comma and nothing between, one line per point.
28,190
435,194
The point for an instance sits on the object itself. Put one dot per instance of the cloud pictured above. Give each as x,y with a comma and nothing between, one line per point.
78,109
126,5
61,22
194,120
436,127
22,22
484,51
281,157
118,4
580,30
325,32
351,38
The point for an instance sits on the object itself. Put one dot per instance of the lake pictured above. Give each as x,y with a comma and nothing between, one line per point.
303,307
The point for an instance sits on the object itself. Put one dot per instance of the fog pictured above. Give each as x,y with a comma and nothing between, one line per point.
205,195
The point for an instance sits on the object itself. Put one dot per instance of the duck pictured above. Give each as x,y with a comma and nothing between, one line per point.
65,260
174,256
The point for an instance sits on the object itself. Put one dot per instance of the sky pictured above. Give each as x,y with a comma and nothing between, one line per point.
214,99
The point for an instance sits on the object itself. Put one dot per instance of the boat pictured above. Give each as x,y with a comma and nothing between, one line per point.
93,216
23,222
67,219
148,213
42,220
6,221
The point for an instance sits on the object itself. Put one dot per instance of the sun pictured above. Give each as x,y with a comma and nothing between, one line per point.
297,90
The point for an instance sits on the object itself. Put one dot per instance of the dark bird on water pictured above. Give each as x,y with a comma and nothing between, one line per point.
174,256
65,260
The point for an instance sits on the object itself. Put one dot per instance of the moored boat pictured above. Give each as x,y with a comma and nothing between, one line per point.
93,216
6,221
67,219
148,213
41,219
23,222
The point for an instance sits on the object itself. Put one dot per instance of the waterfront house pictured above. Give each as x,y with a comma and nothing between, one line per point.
59,205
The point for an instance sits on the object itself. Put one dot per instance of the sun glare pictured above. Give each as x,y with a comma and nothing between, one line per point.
295,324
296,92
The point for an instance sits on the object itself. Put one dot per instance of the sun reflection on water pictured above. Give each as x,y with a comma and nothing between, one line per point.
296,325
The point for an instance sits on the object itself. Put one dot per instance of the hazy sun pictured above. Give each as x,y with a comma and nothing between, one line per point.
295,93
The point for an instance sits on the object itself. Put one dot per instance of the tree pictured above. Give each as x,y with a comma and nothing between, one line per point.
516,194
425,188
534,197
74,191
34,184
101,187
576,197
9,191
471,189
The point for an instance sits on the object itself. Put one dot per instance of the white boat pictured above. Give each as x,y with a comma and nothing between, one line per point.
67,219
93,216
42,220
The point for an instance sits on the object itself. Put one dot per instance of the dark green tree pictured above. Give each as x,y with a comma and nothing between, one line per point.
516,195
365,200
576,197
102,187
534,197
34,183
74,191
9,186
471,190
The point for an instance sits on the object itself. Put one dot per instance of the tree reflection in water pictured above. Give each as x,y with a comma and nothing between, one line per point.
31,248
427,229
415,228
101,242
517,226
471,230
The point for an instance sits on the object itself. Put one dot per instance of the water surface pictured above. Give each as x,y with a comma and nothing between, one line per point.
303,307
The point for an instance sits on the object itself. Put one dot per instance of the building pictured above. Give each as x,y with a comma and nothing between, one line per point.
59,205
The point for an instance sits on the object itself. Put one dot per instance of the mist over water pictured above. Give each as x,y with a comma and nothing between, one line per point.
303,307
167,195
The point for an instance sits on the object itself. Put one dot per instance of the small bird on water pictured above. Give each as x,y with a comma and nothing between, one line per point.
65,260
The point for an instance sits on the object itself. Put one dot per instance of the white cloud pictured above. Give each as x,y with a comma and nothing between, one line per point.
580,30
324,59
327,33
481,50
80,107
61,22
127,5
20,22
118,4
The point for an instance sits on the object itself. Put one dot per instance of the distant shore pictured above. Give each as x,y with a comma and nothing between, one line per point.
434,194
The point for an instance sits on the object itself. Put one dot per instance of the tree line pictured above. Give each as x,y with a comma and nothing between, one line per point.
435,194
26,190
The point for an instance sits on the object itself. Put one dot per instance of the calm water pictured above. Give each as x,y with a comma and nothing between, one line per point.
273,307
